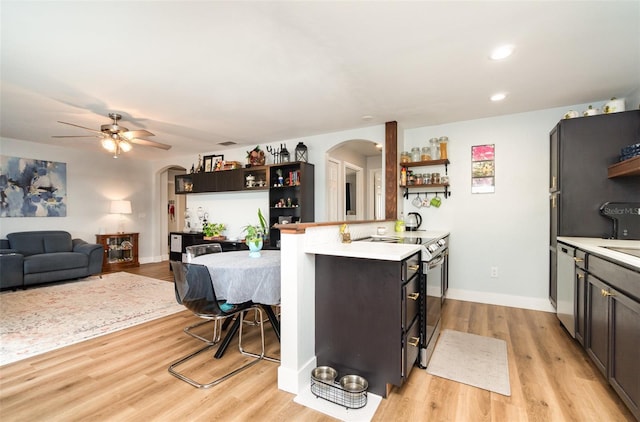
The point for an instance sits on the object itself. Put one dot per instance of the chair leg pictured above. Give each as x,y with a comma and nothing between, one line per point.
175,373
255,355
217,330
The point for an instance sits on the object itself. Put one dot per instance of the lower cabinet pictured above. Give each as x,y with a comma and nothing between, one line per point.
612,326
367,318
120,251
178,243
597,312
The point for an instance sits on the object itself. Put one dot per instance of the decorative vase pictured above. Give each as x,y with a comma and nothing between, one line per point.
255,246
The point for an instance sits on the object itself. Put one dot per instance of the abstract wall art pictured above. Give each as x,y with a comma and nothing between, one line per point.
32,188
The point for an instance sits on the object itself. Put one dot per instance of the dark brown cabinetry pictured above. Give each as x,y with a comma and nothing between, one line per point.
581,295
611,308
180,241
217,181
367,318
290,196
120,251
581,151
290,187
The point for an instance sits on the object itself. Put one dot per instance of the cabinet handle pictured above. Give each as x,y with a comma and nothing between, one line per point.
413,341
553,182
414,267
578,259
553,200
413,296
580,276
605,293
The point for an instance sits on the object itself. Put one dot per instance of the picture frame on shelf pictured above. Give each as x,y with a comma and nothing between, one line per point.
217,162
208,163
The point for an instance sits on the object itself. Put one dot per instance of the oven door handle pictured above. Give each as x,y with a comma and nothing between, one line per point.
435,262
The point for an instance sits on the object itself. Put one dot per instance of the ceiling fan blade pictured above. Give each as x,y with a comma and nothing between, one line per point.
136,133
148,143
81,127
77,136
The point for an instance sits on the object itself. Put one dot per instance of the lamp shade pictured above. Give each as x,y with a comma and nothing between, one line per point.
120,207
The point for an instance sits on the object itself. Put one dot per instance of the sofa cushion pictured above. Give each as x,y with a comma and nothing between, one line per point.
57,242
40,241
27,243
54,262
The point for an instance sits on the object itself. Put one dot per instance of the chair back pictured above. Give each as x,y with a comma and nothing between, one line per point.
204,249
194,289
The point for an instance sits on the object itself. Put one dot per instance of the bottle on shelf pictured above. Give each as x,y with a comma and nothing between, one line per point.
443,147
403,176
435,155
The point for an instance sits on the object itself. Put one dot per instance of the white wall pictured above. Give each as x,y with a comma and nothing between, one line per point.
507,229
236,210
93,180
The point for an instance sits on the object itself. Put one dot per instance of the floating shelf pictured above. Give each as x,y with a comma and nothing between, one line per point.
630,167
444,162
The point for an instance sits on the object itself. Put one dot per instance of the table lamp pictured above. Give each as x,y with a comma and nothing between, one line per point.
121,207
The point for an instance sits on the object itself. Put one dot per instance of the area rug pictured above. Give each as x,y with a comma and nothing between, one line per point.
41,319
473,360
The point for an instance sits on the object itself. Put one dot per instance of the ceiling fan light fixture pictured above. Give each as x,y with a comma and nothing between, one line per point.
125,146
109,144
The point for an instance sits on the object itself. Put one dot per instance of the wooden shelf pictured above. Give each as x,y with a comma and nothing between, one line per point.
425,163
630,167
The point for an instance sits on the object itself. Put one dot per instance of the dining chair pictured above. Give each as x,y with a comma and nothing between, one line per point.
195,291
192,252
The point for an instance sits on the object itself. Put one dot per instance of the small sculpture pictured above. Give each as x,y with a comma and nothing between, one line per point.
256,156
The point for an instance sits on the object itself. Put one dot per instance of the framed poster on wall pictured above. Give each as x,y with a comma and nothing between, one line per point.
483,169
32,188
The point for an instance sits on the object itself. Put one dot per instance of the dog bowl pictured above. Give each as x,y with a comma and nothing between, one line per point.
324,373
353,383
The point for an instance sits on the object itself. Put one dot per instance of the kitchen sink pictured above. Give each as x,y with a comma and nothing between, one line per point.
628,251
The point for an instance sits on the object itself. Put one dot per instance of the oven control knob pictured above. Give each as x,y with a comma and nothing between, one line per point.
433,248
441,242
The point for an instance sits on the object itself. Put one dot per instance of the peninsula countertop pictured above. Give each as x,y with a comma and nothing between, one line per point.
377,250
602,247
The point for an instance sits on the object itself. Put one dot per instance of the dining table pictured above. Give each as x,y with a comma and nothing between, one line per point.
242,276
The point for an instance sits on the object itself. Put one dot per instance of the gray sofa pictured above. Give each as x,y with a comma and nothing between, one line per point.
36,257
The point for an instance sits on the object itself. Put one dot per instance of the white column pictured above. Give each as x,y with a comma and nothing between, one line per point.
297,322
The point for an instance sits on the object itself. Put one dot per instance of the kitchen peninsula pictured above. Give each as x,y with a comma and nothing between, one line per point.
305,247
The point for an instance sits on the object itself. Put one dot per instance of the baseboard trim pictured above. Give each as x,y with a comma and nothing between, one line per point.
525,302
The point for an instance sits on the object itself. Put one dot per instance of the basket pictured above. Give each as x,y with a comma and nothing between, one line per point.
350,392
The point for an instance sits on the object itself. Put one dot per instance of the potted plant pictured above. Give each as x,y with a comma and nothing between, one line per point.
213,231
256,234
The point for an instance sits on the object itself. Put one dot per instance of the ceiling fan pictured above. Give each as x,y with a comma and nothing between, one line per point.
116,138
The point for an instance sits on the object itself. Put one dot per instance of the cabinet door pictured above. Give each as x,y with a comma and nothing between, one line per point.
553,277
554,136
597,315
624,370
580,305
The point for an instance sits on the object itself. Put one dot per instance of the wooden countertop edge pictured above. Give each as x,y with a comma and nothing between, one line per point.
299,228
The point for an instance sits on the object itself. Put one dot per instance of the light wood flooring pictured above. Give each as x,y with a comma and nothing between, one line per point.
123,377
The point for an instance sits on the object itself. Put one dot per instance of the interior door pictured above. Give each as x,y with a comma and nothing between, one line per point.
333,203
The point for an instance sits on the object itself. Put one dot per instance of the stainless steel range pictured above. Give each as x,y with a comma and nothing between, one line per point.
434,280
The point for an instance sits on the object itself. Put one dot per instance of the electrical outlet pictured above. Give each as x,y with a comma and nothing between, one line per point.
494,272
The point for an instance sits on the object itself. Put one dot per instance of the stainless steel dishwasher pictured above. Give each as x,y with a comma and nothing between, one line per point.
565,307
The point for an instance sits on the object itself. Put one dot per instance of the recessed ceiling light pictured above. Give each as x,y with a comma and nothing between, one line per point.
502,52
498,97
